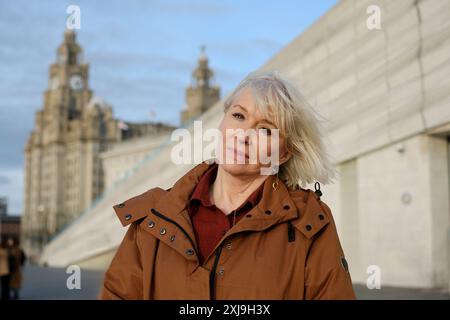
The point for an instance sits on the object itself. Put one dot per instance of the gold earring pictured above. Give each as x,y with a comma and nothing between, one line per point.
275,183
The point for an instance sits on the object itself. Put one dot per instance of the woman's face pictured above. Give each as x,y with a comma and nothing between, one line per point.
244,150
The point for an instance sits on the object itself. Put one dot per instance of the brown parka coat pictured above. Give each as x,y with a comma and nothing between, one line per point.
286,247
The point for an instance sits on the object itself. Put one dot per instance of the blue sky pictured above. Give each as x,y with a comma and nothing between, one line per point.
141,55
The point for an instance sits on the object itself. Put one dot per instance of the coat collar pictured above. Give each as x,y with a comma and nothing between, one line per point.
274,207
299,207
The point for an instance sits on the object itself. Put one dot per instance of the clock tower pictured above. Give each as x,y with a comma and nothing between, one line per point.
64,173
68,79
201,95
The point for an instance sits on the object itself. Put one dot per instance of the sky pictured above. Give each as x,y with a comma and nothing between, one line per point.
141,56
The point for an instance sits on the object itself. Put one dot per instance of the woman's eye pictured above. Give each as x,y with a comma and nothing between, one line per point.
238,115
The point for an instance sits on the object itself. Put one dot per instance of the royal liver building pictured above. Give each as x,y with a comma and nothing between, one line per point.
64,173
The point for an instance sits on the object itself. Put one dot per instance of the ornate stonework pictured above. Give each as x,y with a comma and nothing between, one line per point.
202,94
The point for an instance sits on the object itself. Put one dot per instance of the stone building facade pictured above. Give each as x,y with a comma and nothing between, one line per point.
202,94
63,171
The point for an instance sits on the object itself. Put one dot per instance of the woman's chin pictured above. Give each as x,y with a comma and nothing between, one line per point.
240,168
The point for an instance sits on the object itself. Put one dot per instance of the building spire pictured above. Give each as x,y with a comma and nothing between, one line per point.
69,52
202,74
69,36
202,56
201,95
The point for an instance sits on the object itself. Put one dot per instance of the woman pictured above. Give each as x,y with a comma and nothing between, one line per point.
227,231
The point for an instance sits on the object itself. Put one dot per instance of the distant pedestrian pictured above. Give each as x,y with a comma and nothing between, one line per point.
16,261
4,271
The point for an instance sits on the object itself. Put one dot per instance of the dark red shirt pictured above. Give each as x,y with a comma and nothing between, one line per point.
209,222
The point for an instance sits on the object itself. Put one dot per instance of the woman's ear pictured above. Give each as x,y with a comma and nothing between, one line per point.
285,156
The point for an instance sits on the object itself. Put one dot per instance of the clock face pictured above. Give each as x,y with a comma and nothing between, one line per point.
76,83
54,83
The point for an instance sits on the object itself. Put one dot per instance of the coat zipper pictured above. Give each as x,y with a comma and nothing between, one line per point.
162,216
212,275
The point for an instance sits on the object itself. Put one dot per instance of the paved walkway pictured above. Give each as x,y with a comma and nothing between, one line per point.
50,283
393,293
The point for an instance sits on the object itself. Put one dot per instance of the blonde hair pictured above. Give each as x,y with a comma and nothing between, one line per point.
280,101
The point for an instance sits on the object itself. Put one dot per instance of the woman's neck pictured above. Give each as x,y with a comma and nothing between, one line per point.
228,192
